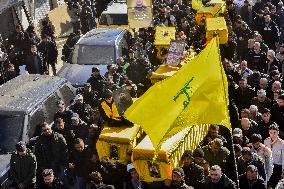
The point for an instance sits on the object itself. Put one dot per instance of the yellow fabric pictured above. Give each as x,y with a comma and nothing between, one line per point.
103,148
123,137
142,168
110,112
170,153
164,35
119,134
217,25
197,94
196,4
210,11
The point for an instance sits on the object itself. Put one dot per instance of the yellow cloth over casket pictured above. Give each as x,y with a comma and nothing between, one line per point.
211,11
217,25
164,35
123,138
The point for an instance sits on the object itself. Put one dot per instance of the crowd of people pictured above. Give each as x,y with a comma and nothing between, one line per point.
63,155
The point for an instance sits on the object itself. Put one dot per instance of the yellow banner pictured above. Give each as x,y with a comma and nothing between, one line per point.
197,94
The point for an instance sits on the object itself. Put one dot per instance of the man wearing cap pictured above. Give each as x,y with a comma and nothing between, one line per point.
218,180
63,113
79,128
23,167
194,174
239,138
97,81
178,181
83,109
135,182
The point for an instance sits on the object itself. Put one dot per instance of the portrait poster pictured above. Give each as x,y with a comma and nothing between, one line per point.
140,13
175,52
122,100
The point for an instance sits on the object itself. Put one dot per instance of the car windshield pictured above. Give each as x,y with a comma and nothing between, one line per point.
10,132
95,54
114,19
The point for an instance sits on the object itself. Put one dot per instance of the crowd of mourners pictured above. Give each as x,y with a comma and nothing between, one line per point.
64,155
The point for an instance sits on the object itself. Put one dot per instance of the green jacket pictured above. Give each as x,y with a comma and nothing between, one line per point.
23,168
216,159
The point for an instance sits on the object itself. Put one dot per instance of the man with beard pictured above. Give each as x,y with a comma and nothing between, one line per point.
50,181
51,151
218,180
251,179
270,32
96,181
194,174
178,181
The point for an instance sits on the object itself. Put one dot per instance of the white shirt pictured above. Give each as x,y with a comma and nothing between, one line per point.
277,150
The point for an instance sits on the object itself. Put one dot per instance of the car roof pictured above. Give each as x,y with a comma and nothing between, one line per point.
101,36
116,8
23,93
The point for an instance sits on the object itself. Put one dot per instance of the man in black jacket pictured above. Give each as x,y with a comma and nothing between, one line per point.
78,163
50,181
194,174
49,52
249,158
218,180
23,167
97,81
51,151
35,63
251,179
96,181
178,181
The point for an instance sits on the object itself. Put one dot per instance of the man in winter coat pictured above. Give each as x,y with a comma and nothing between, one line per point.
51,151
23,167
178,179
50,181
194,174
34,62
218,180
49,52
251,179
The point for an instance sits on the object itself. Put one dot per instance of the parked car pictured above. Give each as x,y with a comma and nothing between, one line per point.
99,47
27,101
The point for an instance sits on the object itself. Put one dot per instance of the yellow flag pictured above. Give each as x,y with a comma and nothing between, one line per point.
197,94
196,4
